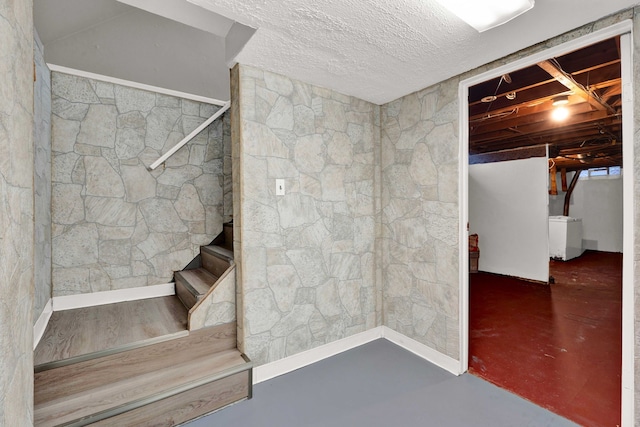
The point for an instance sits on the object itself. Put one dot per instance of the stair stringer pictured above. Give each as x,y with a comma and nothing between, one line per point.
218,305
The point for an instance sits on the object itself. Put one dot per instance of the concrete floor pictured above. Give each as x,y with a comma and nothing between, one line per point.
380,384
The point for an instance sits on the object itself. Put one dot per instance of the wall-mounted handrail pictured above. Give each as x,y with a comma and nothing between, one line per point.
189,137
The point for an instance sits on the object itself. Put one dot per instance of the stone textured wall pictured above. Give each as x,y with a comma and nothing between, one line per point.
227,183
420,216
115,223
218,307
420,205
16,213
42,181
308,273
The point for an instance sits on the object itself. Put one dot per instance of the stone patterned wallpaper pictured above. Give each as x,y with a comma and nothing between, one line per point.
422,205
16,213
115,223
227,187
42,181
308,271
422,129
420,216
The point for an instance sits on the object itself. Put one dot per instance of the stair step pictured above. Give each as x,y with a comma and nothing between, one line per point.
191,285
188,405
89,332
227,230
146,382
216,259
218,251
200,279
145,359
225,238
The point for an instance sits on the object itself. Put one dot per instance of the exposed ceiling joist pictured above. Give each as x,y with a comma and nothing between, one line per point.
538,127
560,75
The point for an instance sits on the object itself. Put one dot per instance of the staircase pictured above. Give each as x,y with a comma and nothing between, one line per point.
207,286
161,383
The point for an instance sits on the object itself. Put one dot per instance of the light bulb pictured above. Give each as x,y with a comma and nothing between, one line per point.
560,113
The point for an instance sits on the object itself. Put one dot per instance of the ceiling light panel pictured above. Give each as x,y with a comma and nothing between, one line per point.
484,15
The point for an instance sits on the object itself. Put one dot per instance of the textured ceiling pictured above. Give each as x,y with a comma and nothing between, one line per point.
380,51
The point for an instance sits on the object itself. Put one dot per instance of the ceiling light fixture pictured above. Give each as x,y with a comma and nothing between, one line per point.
560,113
560,100
484,15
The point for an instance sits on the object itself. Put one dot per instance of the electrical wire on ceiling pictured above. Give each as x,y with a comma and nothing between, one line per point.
494,116
604,131
503,78
568,76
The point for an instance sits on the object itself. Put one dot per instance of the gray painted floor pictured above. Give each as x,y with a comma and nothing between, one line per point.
379,384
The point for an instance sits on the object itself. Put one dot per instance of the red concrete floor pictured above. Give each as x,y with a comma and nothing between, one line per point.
559,345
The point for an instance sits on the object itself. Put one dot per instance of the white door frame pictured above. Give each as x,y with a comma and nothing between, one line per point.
623,29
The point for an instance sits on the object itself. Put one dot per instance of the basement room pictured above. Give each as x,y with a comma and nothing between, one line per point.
347,213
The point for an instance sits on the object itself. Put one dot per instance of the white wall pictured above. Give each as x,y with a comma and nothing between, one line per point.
509,212
598,201
146,48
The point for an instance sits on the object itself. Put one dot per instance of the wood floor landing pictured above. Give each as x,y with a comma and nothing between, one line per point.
161,384
72,334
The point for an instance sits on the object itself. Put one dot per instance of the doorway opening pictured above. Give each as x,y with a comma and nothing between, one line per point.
508,113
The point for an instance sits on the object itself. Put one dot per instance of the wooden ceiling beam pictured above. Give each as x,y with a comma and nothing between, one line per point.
591,148
572,138
546,126
519,118
615,64
613,90
586,77
592,79
573,165
557,73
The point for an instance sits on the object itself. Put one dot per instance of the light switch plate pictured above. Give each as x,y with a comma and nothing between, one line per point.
279,187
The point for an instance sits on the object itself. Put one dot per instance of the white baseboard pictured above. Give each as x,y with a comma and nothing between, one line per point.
305,358
41,323
442,360
69,302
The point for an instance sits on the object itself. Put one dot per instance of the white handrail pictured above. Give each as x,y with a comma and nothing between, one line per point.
189,137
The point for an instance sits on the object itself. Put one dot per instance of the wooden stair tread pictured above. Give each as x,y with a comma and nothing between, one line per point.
83,331
218,251
109,351
187,405
111,394
200,279
89,374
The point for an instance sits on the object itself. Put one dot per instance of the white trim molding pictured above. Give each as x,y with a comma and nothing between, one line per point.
42,322
189,137
427,353
629,192
69,302
135,85
289,364
300,360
